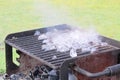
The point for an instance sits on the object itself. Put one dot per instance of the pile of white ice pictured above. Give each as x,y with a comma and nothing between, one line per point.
71,40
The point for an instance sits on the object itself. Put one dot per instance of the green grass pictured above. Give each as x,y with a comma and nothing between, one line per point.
23,15
2,62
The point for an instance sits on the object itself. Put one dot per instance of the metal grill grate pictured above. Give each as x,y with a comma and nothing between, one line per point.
32,46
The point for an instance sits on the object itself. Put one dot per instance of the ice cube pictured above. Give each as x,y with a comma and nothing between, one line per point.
93,50
73,53
46,41
87,49
48,47
54,57
37,33
62,48
104,44
43,36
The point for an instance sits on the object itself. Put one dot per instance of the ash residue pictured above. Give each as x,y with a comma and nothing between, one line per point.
41,72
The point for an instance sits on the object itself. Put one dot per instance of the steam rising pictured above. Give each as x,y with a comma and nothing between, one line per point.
67,40
71,40
49,14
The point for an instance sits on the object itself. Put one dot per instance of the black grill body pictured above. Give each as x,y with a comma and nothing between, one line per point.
28,45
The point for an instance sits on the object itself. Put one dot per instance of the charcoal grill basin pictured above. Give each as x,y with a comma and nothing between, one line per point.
28,44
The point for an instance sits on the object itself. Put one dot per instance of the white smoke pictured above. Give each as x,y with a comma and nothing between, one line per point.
71,40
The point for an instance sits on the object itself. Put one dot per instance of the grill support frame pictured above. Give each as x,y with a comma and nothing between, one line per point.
64,68
10,66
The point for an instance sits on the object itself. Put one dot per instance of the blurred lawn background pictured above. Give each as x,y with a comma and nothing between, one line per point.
21,15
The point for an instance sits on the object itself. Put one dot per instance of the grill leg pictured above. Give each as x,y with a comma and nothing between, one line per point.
10,66
65,69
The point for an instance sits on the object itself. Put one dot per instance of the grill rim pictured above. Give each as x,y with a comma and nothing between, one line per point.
43,30
45,61
30,54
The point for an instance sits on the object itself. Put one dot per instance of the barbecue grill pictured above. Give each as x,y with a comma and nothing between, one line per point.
102,65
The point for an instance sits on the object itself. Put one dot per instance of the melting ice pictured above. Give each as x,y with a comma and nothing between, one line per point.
71,40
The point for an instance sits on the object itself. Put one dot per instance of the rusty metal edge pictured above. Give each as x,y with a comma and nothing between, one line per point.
64,69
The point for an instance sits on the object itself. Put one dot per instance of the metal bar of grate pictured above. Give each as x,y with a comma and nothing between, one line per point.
32,45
